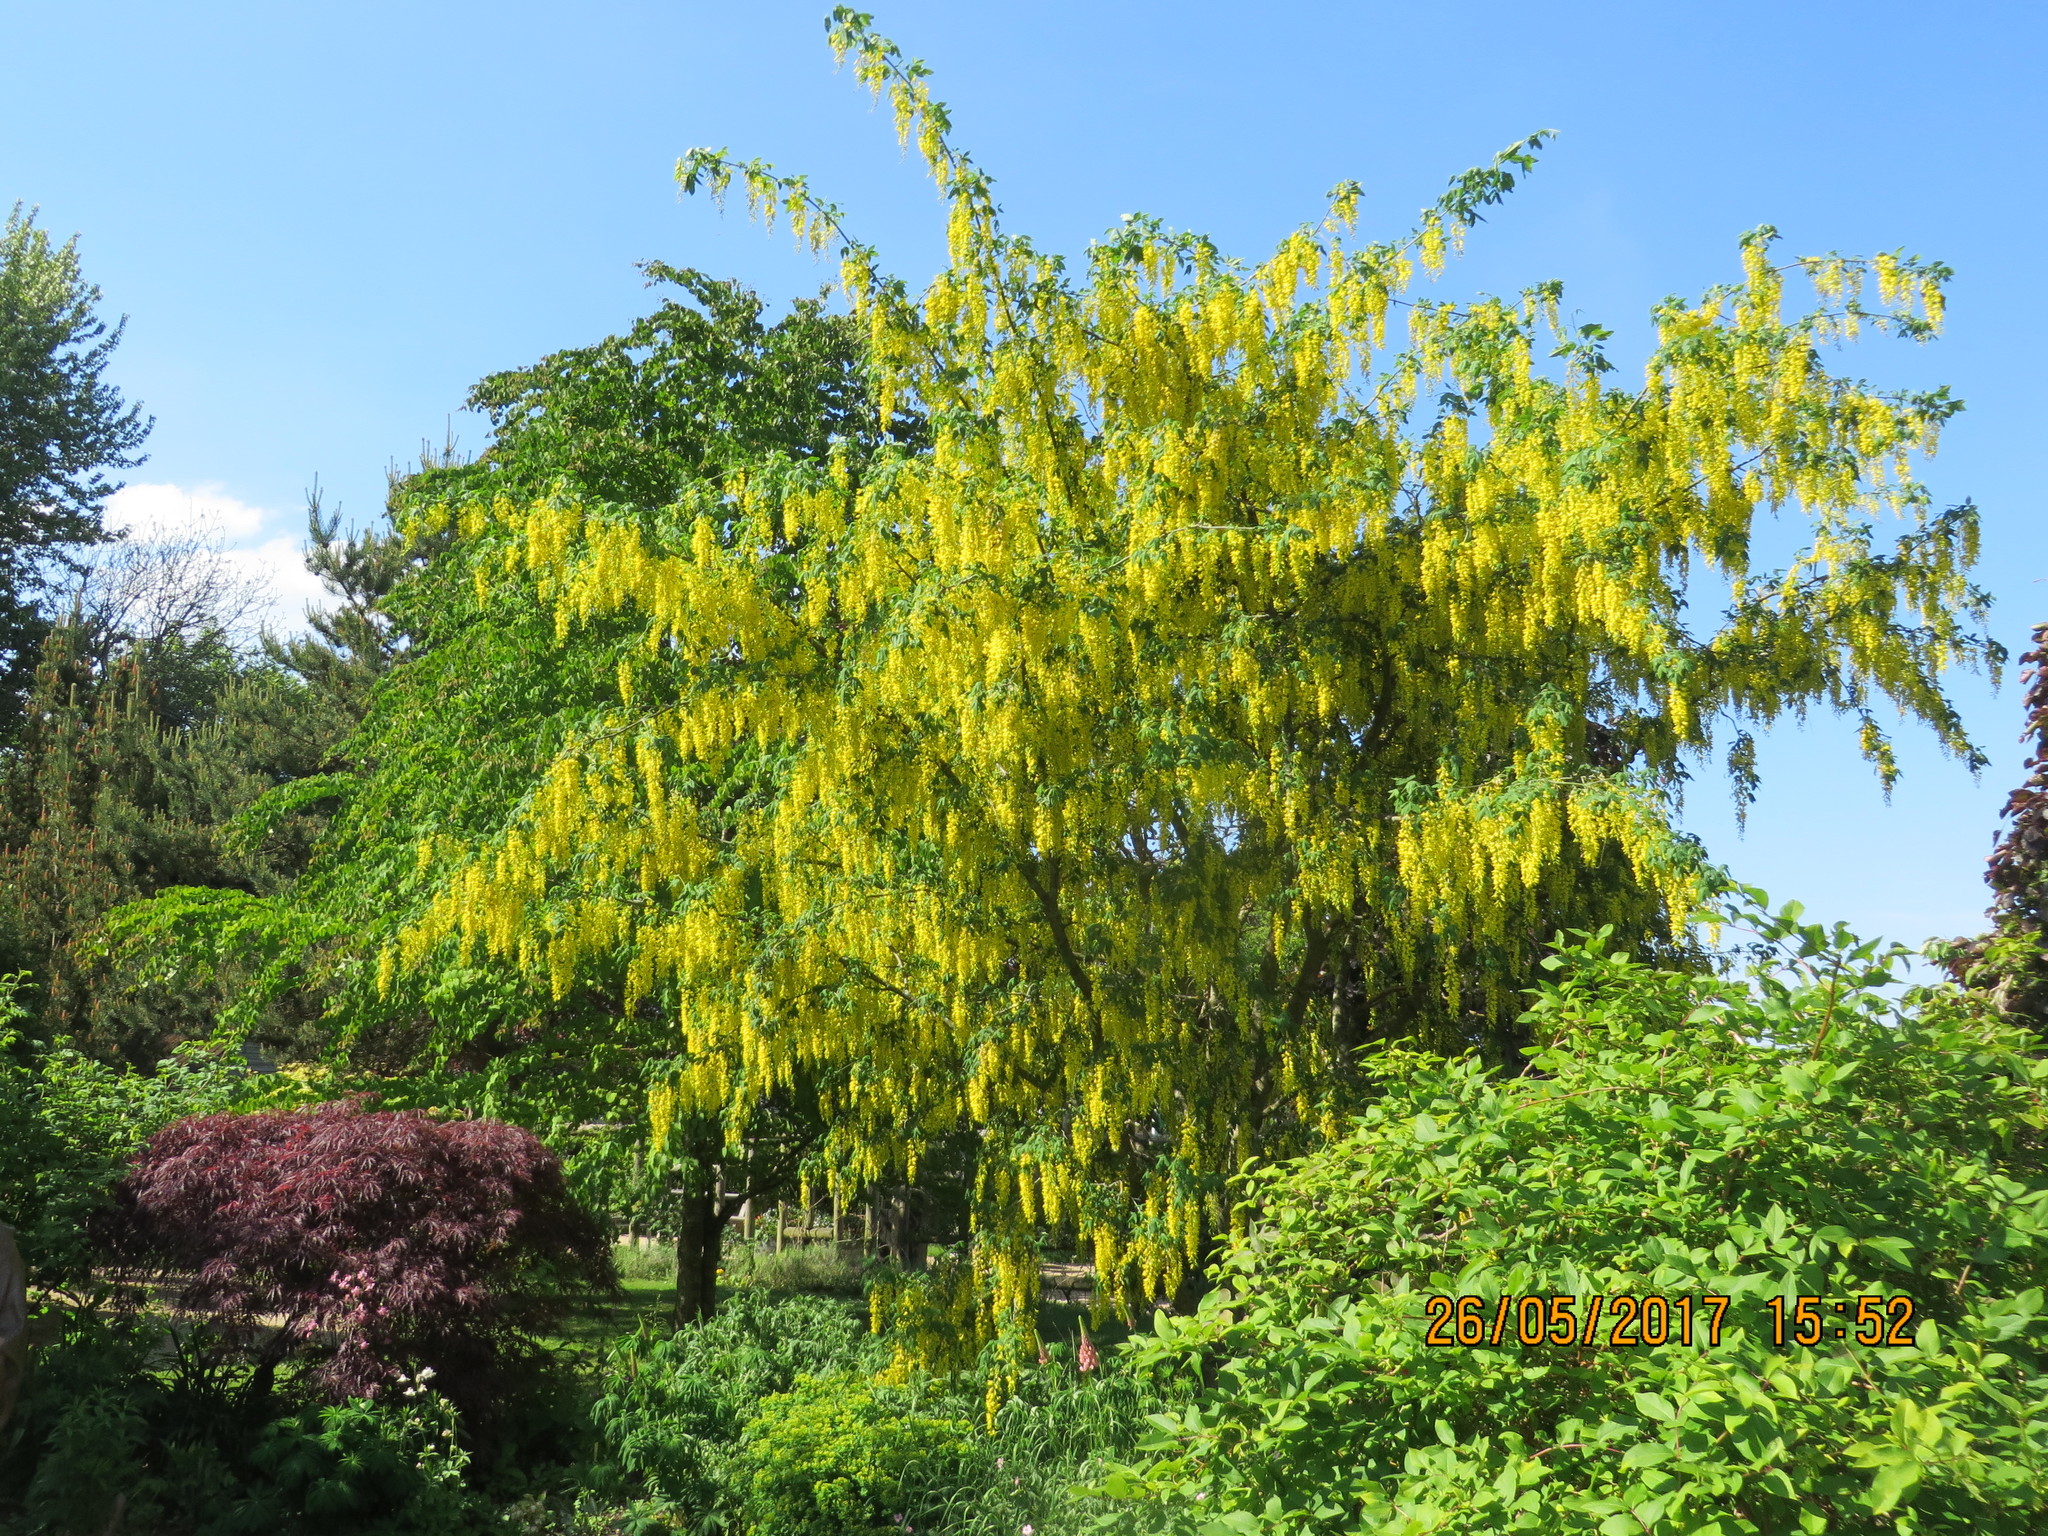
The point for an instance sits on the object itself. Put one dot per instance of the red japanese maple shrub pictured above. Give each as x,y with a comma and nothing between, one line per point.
383,1240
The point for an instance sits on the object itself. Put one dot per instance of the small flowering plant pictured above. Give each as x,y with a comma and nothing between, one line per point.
427,1424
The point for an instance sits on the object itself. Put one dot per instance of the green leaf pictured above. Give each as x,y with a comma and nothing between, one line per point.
1892,1484
1896,1249
1653,1406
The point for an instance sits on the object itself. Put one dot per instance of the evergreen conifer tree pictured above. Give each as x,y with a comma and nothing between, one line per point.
63,426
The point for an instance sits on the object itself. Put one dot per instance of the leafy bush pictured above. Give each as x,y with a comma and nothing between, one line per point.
1795,1133
843,1456
405,1239
69,1124
1060,1430
387,1467
114,1434
116,1409
674,1405
687,1417
81,1432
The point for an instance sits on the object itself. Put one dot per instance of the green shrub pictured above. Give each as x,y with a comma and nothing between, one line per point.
1059,1431
1793,1133
69,1124
104,1417
390,1466
676,1406
842,1456
673,1405
93,1466
113,1434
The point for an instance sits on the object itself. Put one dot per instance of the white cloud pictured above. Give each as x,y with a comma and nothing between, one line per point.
278,568
264,547
166,511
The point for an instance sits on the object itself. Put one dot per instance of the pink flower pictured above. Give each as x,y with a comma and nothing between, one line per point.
1089,1359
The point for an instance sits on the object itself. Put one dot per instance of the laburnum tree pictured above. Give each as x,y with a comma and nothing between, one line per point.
1220,687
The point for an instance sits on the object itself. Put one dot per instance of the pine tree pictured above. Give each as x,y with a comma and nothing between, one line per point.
354,642
160,753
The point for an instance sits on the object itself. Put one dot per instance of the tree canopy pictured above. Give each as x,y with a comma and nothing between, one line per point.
687,393
1218,690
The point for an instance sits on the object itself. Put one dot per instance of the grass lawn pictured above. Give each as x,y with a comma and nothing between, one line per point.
647,1280
597,1320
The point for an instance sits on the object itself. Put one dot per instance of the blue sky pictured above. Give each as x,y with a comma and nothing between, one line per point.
325,222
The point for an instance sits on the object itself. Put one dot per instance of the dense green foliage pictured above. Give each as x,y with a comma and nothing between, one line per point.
69,1124
690,393
677,1402
770,1417
159,754
113,1435
841,1456
1795,1131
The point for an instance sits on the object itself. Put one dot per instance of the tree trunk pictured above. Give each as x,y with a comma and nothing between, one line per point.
700,1239
13,1322
899,1226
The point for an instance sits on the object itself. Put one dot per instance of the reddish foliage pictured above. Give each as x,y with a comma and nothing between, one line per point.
401,1238
2011,962
2020,860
